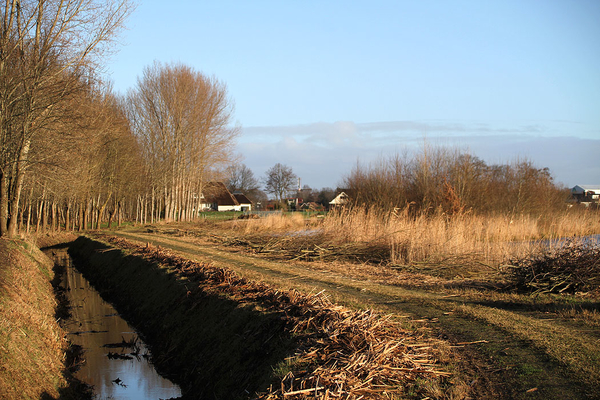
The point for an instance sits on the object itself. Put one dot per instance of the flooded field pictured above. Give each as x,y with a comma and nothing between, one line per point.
116,360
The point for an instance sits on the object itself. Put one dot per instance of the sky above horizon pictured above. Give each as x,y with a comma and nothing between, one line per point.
321,85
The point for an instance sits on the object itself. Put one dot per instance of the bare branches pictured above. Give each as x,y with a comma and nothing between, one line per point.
49,52
182,118
279,180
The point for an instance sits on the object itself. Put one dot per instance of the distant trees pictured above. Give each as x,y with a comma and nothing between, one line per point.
182,120
456,182
48,55
324,196
240,178
279,179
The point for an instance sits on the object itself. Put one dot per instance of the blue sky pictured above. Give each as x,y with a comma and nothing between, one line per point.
320,85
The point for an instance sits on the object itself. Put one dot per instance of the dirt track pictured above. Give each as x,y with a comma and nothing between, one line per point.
500,360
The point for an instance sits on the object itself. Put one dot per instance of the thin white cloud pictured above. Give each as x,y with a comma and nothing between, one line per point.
323,153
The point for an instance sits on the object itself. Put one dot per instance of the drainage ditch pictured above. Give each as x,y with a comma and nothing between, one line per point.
116,360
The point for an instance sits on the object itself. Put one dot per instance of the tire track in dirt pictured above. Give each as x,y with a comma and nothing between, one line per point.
512,362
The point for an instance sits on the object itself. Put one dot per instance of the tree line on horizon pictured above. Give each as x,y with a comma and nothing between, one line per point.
455,182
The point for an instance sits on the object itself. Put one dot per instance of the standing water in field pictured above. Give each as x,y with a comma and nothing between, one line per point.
116,360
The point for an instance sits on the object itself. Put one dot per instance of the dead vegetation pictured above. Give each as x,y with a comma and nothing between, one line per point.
31,342
571,268
466,299
341,354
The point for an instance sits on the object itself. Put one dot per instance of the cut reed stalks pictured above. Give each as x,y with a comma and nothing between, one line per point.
341,353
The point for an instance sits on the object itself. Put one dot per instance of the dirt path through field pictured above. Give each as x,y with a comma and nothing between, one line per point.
513,354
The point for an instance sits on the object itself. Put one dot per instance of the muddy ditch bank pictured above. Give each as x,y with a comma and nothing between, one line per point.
210,345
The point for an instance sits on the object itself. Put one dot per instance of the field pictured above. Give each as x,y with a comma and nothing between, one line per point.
461,282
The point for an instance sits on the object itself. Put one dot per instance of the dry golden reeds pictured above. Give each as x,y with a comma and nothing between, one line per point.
275,222
435,237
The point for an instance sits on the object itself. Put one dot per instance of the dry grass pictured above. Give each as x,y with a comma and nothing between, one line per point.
31,344
440,237
272,223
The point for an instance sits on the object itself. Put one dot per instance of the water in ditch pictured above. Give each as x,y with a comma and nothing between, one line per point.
116,360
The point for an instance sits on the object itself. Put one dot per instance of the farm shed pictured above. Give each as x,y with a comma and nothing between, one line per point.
586,193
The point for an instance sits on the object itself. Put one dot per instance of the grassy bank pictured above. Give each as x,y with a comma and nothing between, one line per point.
31,341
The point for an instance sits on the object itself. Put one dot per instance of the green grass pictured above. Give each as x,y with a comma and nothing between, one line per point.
220,215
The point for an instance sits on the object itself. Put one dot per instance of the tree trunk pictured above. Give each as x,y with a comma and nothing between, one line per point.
45,216
68,215
19,178
102,208
54,223
119,214
152,207
3,204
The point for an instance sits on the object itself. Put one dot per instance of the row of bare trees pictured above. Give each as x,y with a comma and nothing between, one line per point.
49,51
74,155
457,182
182,120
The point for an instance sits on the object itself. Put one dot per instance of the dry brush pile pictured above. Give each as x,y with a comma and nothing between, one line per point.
340,353
571,268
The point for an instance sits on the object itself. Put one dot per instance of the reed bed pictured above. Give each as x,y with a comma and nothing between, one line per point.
278,222
439,237
403,237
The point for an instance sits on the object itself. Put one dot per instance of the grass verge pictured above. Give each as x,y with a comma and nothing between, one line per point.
31,341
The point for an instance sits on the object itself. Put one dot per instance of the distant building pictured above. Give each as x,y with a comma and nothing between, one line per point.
312,206
586,194
342,197
216,197
244,202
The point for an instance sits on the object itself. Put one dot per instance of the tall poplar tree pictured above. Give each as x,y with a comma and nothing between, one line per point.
183,121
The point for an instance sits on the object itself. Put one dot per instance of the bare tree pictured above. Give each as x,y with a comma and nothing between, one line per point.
279,180
182,119
48,52
240,178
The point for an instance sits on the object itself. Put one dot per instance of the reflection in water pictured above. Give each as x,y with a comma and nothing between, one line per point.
94,324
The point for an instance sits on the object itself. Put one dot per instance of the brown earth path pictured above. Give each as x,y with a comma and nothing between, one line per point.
512,353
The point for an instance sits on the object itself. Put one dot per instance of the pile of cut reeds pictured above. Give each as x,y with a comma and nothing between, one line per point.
570,268
340,353
309,248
